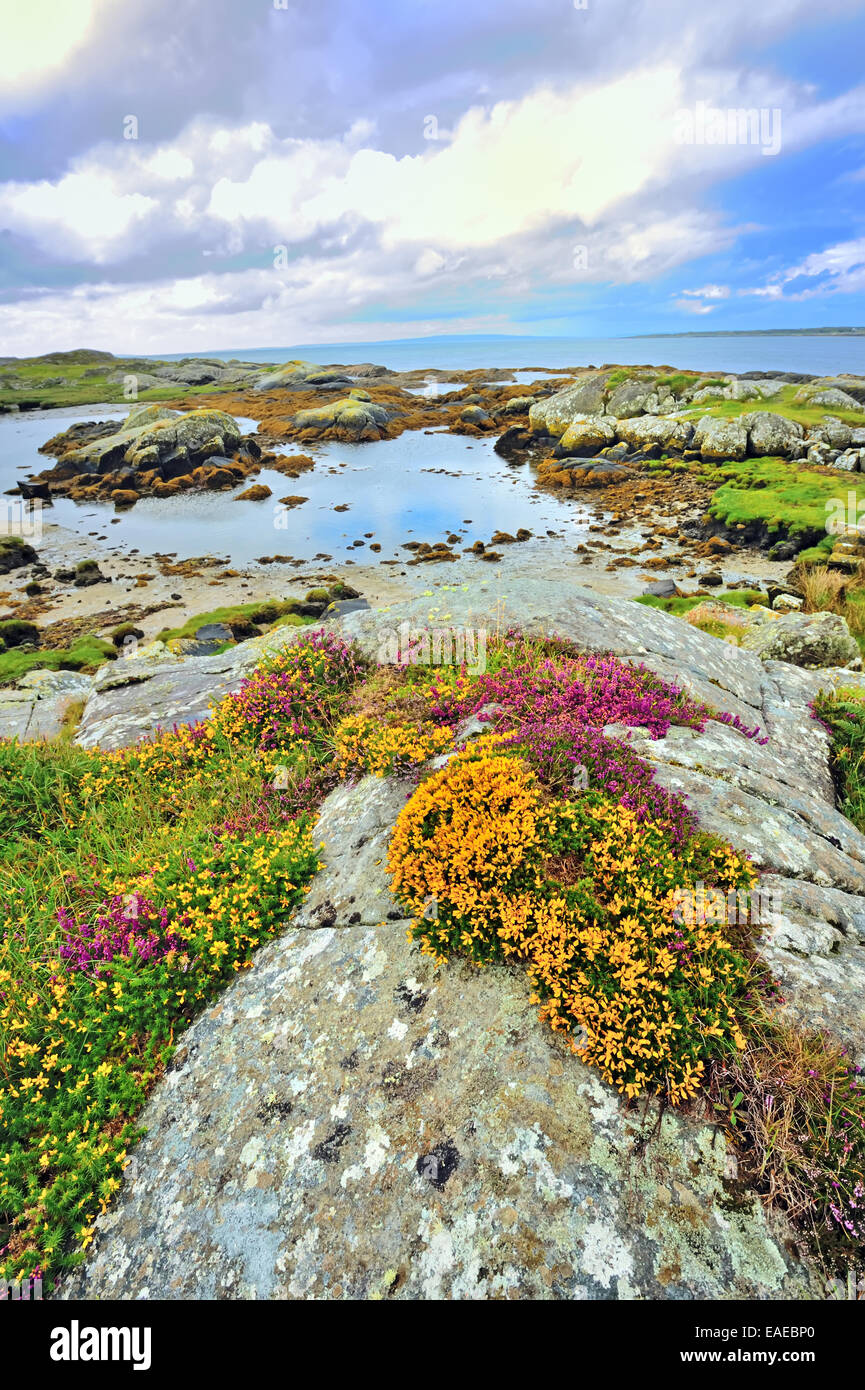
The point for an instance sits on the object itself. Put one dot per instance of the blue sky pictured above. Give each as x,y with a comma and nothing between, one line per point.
178,176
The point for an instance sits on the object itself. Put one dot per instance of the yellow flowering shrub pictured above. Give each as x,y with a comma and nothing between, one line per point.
135,884
582,893
363,744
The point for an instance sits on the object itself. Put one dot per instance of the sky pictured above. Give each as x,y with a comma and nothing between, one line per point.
193,175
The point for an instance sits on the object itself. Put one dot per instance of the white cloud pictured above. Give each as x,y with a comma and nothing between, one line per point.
709,292
428,262
83,216
505,171
694,306
498,203
840,269
39,39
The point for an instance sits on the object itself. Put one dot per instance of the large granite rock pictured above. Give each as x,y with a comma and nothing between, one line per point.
834,397
37,707
746,390
556,412
649,430
721,439
299,375
832,432
150,434
353,418
586,436
804,639
636,396
770,434
349,1122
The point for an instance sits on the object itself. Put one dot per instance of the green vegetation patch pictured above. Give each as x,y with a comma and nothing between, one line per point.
85,382
86,654
775,491
784,403
736,598
679,381
843,714
136,884
264,614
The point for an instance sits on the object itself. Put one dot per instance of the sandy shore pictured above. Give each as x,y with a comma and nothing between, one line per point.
156,593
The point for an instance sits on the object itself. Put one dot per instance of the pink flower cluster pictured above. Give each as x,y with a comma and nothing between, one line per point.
125,926
557,710
286,698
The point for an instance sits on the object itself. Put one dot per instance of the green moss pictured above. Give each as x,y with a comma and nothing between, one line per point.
86,654
816,554
678,382
617,377
776,492
266,613
292,620
735,598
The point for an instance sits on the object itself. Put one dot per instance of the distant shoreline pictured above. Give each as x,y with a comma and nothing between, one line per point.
757,333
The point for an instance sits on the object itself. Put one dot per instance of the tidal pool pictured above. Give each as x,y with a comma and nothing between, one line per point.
421,486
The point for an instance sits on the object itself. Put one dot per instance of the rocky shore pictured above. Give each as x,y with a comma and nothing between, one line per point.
328,1074
693,487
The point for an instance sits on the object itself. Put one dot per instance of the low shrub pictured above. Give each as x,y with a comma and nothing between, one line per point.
137,883
581,893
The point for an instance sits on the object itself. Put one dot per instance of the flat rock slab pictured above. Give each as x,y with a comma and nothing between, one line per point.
349,1122
352,887
815,946
781,813
36,709
135,696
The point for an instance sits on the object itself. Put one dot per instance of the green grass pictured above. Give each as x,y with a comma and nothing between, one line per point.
782,404
844,713
774,491
616,378
678,382
267,613
85,654
736,598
